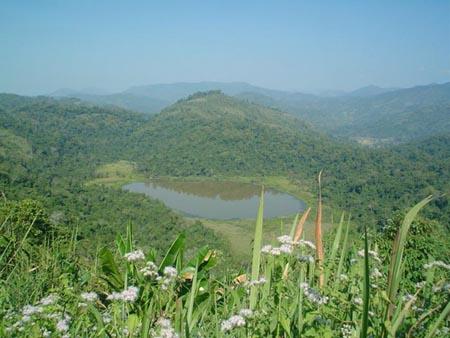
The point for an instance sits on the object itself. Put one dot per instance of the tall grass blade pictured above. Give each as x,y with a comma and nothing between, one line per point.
192,298
395,268
334,248
256,260
366,288
318,234
343,251
441,318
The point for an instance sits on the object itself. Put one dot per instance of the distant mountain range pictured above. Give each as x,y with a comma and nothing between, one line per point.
370,114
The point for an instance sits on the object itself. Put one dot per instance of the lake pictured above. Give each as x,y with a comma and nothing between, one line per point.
218,199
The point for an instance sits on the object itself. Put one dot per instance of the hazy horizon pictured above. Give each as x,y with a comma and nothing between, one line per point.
285,45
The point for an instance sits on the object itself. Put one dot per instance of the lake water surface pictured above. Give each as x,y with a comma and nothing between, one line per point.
218,199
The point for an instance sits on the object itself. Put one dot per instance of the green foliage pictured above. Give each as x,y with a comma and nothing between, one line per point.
136,294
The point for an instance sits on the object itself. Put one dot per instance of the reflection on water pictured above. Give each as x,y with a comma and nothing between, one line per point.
218,200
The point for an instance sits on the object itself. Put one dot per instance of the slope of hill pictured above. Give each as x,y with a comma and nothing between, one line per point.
213,134
399,115
370,90
49,148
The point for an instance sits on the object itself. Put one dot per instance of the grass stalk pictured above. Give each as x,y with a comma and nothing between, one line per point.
256,260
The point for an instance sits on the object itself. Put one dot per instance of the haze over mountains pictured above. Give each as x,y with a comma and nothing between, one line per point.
370,114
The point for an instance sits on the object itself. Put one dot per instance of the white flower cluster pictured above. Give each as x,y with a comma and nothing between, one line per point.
63,324
408,297
128,295
251,283
358,301
343,277
443,287
49,300
166,330
440,264
285,239
150,270
346,331
236,320
277,251
286,247
89,296
170,275
372,253
421,284
134,256
29,310
313,295
376,273
309,244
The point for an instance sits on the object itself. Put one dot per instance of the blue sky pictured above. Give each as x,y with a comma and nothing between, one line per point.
295,45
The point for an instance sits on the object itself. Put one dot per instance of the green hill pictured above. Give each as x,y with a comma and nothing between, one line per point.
396,116
210,134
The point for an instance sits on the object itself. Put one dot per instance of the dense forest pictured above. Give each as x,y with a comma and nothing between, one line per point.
59,225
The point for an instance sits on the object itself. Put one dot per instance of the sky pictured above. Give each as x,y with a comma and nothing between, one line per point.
292,45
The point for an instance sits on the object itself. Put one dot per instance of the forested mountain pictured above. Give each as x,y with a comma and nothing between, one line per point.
50,148
370,114
210,134
370,90
394,116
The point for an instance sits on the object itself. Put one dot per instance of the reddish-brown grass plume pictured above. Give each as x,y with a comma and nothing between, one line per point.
300,224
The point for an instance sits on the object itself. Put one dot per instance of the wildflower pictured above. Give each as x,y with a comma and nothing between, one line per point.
62,325
421,284
358,301
128,295
89,296
170,272
246,313
408,297
285,239
150,270
232,322
107,318
372,253
343,277
266,249
346,331
134,256
29,310
307,243
438,264
313,295
251,283
166,330
26,319
376,273
286,249
50,299
275,252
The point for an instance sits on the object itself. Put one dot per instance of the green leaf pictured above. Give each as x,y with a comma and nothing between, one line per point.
174,251
256,261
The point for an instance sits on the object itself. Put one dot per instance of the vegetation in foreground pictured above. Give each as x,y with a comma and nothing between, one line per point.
294,287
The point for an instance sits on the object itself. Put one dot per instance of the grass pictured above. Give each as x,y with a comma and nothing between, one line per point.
116,174
238,233
281,295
